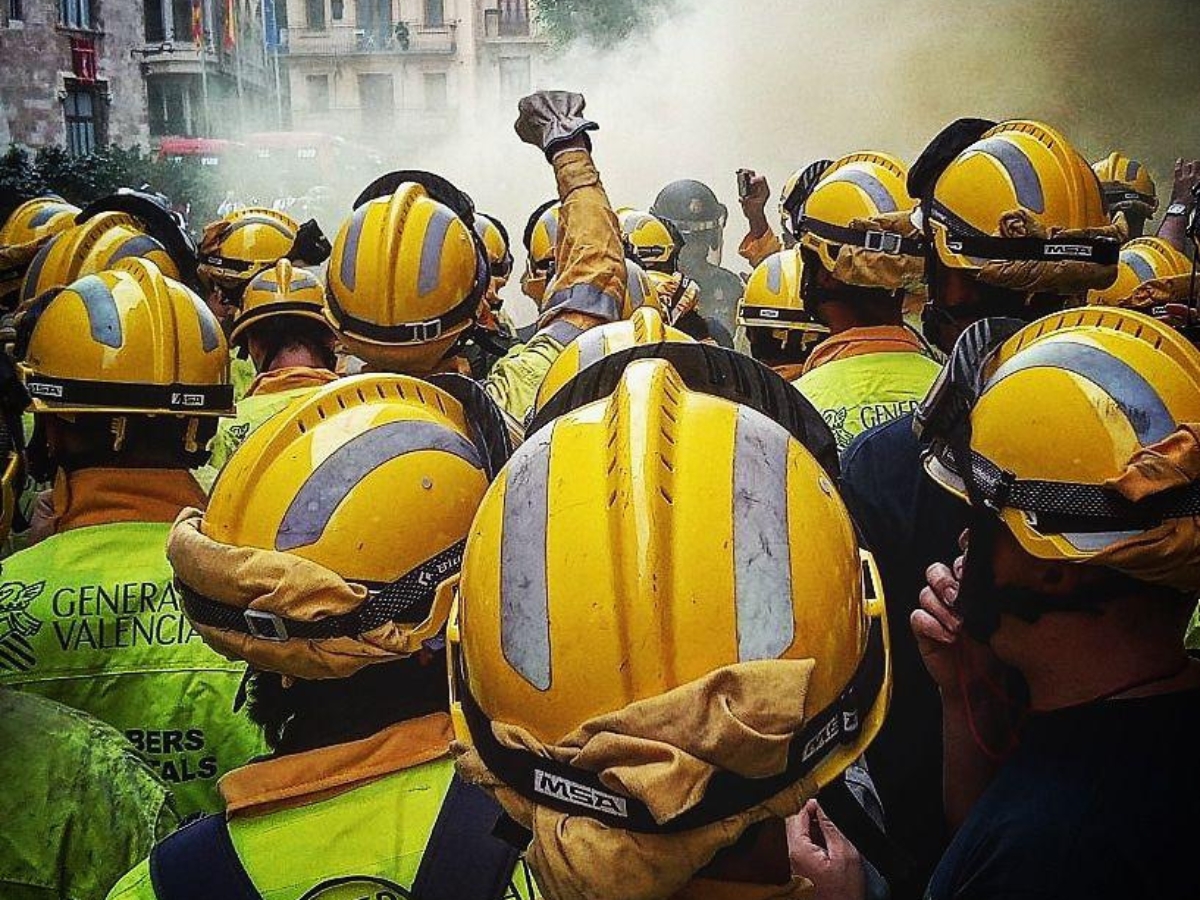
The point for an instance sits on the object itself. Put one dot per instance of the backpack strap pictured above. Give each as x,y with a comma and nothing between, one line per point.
845,811
199,862
463,860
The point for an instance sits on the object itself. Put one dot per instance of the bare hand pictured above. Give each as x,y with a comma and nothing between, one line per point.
754,203
821,853
937,624
1187,177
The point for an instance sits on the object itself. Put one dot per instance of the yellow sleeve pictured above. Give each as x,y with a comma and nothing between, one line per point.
755,249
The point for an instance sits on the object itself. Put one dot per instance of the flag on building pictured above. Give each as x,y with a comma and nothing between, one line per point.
198,23
230,34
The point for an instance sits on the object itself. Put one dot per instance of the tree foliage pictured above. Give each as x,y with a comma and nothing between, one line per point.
82,179
604,23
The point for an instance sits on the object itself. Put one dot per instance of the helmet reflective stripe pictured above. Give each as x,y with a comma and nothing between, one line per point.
349,269
210,339
870,185
1131,170
1020,171
101,306
329,484
762,558
34,273
430,274
260,220
46,213
525,599
775,274
592,346
1147,414
1141,268
550,221
138,245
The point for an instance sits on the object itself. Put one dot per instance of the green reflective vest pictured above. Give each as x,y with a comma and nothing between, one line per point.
364,843
1193,633
78,807
90,618
231,433
241,374
860,392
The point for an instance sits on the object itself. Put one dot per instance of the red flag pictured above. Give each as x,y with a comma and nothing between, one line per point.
230,37
198,23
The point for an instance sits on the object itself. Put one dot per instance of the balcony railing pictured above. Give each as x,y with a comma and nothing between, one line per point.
343,40
510,19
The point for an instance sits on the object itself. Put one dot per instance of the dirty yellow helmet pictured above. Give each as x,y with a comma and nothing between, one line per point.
405,279
245,242
1142,259
127,340
581,591
1026,170
772,298
856,187
1060,409
646,326
640,291
649,241
284,290
541,241
91,247
495,242
358,579
24,232
1126,185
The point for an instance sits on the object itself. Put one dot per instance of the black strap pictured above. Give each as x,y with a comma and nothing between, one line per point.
181,398
463,860
1092,507
408,600
574,791
887,242
966,240
778,314
277,309
405,332
889,859
198,862
233,265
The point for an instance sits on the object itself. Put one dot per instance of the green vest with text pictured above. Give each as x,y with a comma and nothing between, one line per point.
90,618
860,392
364,843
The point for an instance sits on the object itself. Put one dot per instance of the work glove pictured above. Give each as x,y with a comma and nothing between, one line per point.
549,119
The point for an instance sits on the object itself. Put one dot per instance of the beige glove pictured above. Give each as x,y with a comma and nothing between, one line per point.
550,118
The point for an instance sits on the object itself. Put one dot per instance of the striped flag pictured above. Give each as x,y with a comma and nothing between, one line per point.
230,34
198,24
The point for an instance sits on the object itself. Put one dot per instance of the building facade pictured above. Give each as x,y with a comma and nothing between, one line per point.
399,72
67,76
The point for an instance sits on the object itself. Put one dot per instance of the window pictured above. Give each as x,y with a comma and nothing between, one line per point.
83,130
377,99
75,13
514,76
435,90
435,13
318,93
315,10
181,14
16,10
337,9
155,29
170,107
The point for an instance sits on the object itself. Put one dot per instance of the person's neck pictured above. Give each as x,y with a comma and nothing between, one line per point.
292,357
841,317
1074,675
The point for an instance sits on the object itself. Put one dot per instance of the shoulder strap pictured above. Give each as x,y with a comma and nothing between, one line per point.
463,860
888,858
198,862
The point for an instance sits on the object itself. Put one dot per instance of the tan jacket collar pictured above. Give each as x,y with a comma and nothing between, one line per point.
279,380
106,496
861,341
301,778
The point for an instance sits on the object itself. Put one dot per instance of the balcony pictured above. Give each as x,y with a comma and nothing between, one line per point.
510,21
346,40
176,58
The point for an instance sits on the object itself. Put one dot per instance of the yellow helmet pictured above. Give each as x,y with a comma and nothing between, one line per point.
357,581
649,241
646,326
581,593
772,298
541,241
127,340
91,247
494,236
1006,196
856,187
1126,185
1060,410
406,278
284,290
245,242
1142,259
24,232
